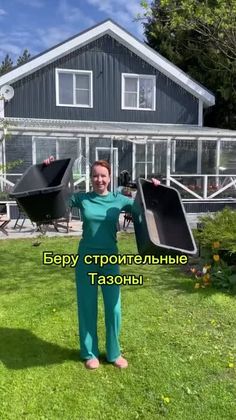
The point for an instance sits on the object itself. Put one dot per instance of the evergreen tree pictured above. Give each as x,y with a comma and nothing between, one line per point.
23,58
7,65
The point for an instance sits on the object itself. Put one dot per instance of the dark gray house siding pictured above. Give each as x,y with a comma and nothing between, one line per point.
35,95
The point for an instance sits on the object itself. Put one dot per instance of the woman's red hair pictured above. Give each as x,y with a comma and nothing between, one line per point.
103,163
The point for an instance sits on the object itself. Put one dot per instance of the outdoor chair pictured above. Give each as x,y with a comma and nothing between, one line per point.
127,219
4,220
127,216
63,223
21,216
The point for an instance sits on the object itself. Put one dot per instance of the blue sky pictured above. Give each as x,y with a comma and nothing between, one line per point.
41,24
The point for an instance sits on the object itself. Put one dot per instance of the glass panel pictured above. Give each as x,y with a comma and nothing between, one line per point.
145,93
208,157
79,167
140,152
65,88
149,152
82,81
44,149
149,169
186,157
160,157
131,100
131,84
140,169
82,97
105,154
67,148
227,167
228,157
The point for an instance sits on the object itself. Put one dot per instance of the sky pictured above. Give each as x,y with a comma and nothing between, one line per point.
40,24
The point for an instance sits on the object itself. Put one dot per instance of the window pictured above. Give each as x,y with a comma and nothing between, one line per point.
138,92
74,88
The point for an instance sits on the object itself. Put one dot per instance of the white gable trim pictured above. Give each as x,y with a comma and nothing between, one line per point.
133,44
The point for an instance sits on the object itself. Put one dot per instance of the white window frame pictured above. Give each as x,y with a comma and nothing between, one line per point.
147,159
74,72
138,77
57,139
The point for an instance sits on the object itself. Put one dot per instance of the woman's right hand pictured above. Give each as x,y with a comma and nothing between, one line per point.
49,160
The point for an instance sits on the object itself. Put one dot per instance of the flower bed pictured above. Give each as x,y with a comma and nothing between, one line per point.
216,265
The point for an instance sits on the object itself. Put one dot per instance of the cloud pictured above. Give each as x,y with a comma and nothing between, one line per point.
121,11
3,12
68,20
133,7
9,48
71,14
117,8
106,6
49,37
14,43
75,19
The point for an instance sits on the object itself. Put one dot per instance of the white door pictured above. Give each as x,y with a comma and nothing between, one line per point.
111,156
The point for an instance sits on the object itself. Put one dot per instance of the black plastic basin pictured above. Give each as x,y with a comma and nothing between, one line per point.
42,192
162,227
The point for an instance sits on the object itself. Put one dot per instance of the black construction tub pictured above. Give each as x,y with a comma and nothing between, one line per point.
42,192
161,227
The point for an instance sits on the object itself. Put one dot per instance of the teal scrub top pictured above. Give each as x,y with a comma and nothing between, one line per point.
100,216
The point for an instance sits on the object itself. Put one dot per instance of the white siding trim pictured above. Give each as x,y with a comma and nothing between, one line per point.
168,161
133,161
2,104
1,161
122,36
200,113
34,139
87,167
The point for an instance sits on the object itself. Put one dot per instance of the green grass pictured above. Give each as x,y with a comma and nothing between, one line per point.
180,343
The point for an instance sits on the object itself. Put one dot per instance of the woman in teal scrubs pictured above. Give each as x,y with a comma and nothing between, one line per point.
100,210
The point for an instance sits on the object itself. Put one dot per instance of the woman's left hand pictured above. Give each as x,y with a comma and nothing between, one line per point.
156,182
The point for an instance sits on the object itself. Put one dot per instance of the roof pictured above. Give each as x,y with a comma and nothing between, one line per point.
121,35
67,128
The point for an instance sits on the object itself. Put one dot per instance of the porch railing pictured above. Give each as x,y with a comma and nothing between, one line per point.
7,185
202,188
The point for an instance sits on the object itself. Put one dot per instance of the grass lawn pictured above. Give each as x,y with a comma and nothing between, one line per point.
180,343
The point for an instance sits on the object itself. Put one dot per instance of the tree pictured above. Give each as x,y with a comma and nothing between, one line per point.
7,65
23,58
199,36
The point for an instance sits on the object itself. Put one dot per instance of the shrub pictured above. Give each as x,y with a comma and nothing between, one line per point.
217,242
220,227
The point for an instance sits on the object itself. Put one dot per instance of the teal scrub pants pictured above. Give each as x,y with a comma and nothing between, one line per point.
87,298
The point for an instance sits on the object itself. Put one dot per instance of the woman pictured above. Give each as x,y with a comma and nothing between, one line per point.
100,211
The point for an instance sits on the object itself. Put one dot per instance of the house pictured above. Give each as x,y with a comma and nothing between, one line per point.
103,94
